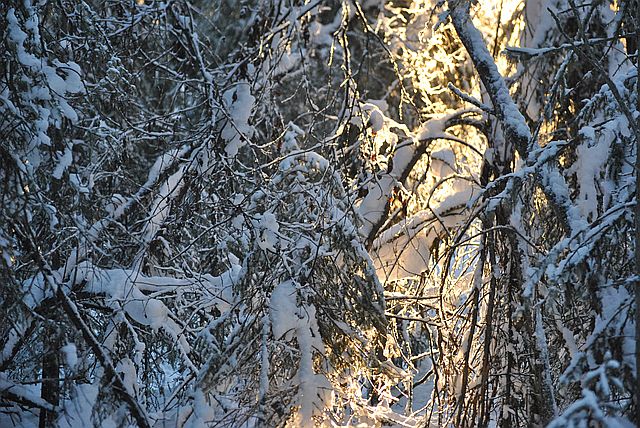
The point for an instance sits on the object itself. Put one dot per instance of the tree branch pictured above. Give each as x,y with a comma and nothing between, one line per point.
515,127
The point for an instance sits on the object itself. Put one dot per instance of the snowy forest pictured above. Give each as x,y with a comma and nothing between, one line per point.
263,213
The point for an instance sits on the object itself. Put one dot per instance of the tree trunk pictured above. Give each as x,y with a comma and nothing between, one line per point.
637,220
50,390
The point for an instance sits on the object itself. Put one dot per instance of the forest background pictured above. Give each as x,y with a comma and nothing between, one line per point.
341,213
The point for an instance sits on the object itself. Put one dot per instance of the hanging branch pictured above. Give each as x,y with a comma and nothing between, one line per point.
516,131
70,308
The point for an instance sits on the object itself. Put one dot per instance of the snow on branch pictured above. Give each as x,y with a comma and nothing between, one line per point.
375,206
517,132
21,394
